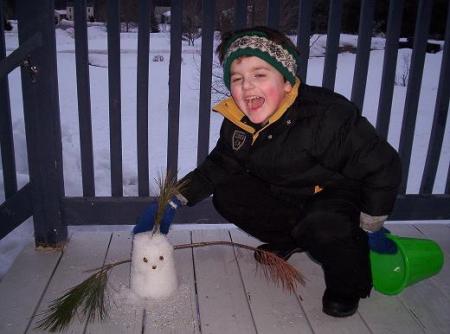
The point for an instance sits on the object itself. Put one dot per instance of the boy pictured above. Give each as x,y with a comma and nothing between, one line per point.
297,167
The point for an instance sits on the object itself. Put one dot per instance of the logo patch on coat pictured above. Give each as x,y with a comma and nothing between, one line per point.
238,139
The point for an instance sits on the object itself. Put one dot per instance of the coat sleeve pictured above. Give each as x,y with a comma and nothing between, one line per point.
347,143
201,182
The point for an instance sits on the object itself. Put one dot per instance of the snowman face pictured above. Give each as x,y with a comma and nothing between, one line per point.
152,252
154,265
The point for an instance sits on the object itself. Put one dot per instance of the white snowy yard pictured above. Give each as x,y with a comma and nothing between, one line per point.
158,105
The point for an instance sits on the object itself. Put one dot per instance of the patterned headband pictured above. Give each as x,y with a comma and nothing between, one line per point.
262,47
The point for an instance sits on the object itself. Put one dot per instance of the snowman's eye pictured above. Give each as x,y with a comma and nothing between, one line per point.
145,260
161,257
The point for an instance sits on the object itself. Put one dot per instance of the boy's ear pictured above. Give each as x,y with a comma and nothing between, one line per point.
287,86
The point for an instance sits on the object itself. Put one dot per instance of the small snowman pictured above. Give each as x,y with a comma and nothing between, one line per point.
153,273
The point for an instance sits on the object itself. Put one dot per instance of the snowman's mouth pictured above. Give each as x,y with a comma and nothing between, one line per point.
254,102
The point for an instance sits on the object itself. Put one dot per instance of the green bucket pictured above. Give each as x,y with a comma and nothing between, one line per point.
415,260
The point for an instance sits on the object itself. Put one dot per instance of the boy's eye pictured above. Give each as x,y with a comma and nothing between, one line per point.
235,79
260,75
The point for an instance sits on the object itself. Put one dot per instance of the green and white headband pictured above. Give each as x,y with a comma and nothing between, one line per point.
256,44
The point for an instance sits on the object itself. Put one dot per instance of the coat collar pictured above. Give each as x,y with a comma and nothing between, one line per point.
229,109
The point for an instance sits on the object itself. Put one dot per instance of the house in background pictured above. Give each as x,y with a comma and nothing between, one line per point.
60,14
89,11
162,16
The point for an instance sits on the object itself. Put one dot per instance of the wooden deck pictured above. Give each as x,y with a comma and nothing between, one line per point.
220,291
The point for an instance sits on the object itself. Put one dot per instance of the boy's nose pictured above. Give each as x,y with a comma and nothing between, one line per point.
247,83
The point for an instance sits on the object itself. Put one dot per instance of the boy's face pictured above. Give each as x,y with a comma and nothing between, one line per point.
257,88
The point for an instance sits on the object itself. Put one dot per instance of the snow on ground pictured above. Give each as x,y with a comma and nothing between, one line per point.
158,102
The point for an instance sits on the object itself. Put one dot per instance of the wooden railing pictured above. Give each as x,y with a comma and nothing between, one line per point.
44,196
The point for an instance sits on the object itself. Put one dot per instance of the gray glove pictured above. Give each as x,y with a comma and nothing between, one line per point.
371,223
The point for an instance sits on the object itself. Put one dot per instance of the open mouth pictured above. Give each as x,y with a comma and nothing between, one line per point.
254,102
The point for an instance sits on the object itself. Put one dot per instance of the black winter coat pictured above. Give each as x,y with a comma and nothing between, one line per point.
320,140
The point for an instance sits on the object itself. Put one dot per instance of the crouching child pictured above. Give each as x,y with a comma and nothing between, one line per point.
297,167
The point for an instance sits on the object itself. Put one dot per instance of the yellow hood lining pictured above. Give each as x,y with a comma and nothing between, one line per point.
230,110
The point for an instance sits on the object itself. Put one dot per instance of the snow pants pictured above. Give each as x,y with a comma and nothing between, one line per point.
326,225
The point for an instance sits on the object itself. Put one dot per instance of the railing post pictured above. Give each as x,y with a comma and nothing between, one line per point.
303,32
115,125
363,52
142,97
273,14
333,34
174,86
84,98
6,142
42,123
208,8
389,65
440,117
240,14
424,11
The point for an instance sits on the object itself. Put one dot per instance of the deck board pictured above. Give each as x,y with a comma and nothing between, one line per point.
220,290
425,299
121,319
22,287
312,301
84,251
441,236
179,314
223,305
388,314
274,310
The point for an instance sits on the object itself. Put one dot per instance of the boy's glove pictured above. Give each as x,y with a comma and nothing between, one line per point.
146,221
371,223
380,243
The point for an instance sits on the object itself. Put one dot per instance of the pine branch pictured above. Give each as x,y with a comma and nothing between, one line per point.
274,267
168,188
88,300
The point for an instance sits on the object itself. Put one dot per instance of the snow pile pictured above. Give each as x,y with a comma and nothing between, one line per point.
175,312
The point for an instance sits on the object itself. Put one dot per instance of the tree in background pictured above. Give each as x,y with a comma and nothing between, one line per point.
100,10
154,26
257,14
191,21
8,13
129,12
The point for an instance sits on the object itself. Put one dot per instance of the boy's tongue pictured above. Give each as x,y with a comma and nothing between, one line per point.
255,103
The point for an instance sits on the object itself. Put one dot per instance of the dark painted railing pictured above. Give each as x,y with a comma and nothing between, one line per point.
333,33
44,196
84,98
6,138
440,117
389,63
115,127
414,83
142,98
